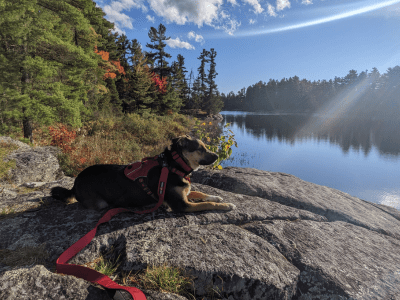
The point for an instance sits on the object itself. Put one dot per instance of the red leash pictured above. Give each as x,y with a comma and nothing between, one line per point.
92,275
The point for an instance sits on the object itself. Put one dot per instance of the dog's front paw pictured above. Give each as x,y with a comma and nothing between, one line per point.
214,198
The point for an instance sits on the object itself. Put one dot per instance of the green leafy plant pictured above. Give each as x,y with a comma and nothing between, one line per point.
221,144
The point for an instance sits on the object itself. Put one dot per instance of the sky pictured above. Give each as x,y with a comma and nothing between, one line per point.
259,40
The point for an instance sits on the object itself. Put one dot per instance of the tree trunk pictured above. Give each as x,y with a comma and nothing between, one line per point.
27,129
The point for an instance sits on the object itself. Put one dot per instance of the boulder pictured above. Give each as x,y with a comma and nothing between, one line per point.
38,164
287,239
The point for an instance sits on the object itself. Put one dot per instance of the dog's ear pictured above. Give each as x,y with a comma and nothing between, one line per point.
180,142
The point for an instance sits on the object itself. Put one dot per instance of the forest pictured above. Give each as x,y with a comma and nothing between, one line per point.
367,94
60,62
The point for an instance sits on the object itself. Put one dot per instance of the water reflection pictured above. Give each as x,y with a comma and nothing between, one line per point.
358,134
357,156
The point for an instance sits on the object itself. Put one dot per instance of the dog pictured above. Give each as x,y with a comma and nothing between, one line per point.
101,186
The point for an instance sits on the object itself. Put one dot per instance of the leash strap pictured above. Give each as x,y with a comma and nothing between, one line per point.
87,273
92,275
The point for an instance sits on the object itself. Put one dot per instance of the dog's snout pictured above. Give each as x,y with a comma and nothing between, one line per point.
209,158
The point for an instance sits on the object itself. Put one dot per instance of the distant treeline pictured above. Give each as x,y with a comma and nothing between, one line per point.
368,94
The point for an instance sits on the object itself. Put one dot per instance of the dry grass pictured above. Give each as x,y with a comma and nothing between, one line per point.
24,256
117,140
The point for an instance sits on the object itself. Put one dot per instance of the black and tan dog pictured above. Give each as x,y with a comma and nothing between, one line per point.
101,186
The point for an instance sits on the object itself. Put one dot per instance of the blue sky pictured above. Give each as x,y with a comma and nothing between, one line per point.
262,39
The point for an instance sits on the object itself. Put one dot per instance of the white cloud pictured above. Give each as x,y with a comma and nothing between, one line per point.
197,37
251,21
271,11
257,6
177,43
198,12
282,4
224,15
306,2
150,18
229,27
183,11
114,13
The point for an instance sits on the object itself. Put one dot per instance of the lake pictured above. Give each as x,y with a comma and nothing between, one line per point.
359,157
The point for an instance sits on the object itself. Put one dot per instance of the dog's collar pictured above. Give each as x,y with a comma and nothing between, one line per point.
179,160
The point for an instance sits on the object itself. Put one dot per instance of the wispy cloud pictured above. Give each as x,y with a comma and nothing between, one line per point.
271,10
150,18
229,27
197,37
233,2
177,43
256,5
252,21
282,4
121,20
306,2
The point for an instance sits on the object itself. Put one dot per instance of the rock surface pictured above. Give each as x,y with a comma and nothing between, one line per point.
287,239
38,164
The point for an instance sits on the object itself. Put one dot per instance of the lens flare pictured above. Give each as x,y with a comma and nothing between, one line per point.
347,14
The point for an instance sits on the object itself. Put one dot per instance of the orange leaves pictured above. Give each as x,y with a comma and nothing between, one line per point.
112,65
120,68
104,55
161,84
62,138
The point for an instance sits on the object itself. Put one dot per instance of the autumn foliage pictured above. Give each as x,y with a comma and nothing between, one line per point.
161,83
61,137
113,64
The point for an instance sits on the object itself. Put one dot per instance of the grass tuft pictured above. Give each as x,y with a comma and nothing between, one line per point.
5,149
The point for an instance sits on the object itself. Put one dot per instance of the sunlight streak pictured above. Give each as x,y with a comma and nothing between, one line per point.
336,17
337,108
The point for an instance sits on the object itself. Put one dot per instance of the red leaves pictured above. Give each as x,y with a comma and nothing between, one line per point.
62,138
161,84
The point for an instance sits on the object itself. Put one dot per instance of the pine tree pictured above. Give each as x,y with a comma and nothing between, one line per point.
212,102
202,72
140,90
46,49
157,59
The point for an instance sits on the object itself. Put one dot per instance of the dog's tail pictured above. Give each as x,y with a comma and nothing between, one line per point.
62,194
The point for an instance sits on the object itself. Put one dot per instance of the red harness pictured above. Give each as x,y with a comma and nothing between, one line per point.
137,170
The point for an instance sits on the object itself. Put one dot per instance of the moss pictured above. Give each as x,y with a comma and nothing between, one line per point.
5,149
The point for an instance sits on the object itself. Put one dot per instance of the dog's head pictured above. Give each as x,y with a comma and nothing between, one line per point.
193,151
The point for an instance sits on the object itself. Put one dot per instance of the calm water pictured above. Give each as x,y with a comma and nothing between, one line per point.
359,157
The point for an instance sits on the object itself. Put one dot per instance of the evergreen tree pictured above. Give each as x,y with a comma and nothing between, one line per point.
213,102
46,49
179,80
157,59
140,90
202,72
